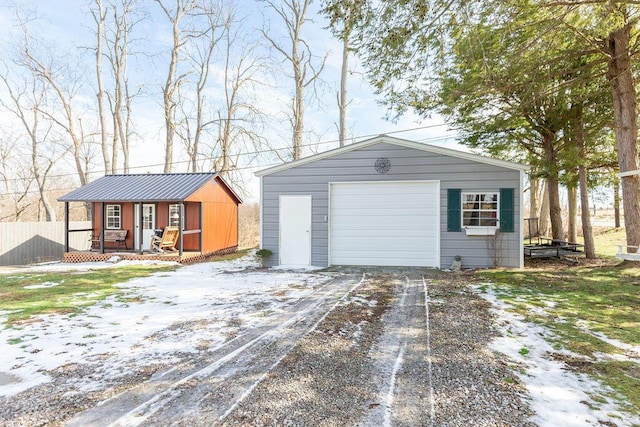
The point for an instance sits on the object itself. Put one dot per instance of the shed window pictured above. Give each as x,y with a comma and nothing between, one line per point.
114,217
480,210
174,215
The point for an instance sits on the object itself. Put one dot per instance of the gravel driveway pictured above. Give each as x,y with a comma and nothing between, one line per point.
365,348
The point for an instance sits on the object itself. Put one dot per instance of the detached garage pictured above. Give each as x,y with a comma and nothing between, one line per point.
392,202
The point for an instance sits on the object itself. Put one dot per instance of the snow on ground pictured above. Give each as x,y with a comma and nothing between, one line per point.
194,308
632,352
559,396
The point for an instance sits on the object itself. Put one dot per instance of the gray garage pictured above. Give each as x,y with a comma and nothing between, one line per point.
392,202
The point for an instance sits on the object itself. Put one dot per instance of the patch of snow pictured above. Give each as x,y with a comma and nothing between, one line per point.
193,308
634,350
427,300
392,386
296,267
361,300
44,285
558,396
80,267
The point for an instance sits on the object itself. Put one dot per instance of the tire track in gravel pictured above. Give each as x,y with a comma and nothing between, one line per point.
401,370
433,367
325,381
175,396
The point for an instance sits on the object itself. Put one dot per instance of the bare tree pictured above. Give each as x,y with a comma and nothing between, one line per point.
196,114
170,91
343,16
99,14
238,117
25,101
124,21
16,180
115,21
305,67
65,117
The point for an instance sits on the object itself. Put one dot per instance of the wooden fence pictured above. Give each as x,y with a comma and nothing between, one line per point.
32,242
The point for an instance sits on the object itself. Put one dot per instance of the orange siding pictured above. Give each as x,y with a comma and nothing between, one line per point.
191,242
162,214
219,216
126,220
192,214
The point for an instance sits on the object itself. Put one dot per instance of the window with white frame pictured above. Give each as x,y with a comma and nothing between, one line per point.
114,217
480,209
174,215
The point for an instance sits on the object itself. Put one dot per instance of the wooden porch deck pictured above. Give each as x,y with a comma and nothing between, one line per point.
186,257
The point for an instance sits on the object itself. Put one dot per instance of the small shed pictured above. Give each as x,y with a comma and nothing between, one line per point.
202,205
393,202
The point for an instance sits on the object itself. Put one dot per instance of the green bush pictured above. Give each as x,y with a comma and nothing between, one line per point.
264,253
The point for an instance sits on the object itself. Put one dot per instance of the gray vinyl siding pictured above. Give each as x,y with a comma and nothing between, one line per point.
407,164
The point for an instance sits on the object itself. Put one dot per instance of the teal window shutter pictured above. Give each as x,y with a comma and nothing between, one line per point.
454,205
506,210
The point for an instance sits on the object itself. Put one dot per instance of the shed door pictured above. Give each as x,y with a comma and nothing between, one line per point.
385,223
148,225
295,230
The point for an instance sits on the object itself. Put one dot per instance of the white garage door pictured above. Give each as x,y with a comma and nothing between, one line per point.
385,224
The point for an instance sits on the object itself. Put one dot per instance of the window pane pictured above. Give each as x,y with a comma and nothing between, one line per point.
174,215
480,209
113,216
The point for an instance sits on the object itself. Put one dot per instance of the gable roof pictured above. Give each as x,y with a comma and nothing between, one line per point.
170,187
395,141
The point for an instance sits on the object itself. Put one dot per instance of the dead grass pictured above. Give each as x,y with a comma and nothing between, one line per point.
249,225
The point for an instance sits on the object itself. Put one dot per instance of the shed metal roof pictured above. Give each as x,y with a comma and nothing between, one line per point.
140,188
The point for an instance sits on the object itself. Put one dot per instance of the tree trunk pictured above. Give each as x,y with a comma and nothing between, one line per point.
543,221
124,136
572,196
342,102
299,56
298,112
104,143
616,201
625,115
534,200
553,186
585,213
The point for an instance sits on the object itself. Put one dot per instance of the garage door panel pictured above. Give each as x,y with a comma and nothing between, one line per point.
390,201
382,260
373,224
389,223
397,246
390,234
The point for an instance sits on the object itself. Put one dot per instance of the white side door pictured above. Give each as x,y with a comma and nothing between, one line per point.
295,230
148,225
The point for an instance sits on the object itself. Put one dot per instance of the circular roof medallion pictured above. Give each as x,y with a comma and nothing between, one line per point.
382,165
